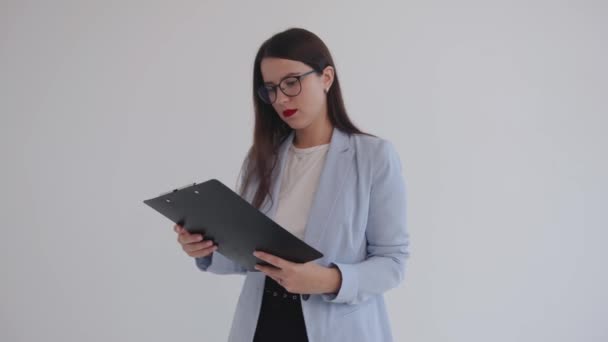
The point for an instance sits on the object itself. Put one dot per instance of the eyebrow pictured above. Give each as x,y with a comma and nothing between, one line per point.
284,77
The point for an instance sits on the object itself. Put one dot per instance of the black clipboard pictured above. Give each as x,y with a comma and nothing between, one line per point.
238,228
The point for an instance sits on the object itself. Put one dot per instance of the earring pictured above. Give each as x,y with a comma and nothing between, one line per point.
326,90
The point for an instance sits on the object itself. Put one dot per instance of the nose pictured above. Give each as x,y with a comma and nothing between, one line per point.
282,98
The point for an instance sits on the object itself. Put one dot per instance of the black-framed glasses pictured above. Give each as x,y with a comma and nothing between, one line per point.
290,86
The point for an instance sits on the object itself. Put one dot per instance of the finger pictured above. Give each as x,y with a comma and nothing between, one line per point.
185,232
189,238
271,259
270,271
203,252
275,279
193,247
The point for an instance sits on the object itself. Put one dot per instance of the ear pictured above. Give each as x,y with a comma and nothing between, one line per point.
328,77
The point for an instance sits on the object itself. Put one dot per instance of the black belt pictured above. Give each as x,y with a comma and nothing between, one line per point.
273,290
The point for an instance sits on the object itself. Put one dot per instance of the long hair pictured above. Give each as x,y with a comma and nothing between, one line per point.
270,131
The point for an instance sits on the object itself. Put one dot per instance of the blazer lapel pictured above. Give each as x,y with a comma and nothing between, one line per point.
335,171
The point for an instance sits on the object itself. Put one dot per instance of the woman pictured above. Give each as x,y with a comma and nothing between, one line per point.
335,187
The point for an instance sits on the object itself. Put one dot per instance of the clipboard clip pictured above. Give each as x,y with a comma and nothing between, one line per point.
178,189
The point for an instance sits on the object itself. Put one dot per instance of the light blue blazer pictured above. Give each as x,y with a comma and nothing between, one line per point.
358,221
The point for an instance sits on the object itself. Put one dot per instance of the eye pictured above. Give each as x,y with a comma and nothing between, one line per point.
291,82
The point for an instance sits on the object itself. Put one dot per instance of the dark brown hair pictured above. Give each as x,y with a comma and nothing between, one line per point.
270,131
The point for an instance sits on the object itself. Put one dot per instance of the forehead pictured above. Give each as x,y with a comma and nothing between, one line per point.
274,69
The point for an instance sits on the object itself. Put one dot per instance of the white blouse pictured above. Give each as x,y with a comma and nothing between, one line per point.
298,186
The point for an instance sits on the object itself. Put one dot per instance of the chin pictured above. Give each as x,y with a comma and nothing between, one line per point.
297,125
294,123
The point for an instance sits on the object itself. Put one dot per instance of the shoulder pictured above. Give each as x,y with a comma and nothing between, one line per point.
378,159
374,149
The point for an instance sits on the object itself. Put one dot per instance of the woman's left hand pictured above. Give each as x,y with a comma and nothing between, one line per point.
307,278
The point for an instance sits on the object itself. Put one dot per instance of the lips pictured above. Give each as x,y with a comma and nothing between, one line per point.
289,112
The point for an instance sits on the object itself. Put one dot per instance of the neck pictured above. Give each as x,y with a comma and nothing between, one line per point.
317,133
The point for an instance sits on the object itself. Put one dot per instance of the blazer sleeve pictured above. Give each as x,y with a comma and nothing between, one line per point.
219,264
386,234
216,262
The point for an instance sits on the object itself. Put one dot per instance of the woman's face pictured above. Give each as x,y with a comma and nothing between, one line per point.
310,104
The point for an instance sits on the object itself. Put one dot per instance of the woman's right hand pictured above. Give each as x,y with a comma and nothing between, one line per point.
193,244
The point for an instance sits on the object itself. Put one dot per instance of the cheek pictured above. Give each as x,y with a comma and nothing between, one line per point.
315,89
276,108
312,98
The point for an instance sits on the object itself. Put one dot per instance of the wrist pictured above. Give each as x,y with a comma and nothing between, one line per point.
333,280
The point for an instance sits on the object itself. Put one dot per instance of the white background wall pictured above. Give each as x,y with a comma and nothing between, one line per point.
497,109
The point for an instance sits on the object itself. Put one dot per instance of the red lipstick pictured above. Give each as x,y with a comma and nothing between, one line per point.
289,112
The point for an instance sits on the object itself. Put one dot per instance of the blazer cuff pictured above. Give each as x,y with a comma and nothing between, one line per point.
203,263
349,287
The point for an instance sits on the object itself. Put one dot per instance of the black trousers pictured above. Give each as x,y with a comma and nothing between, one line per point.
281,317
